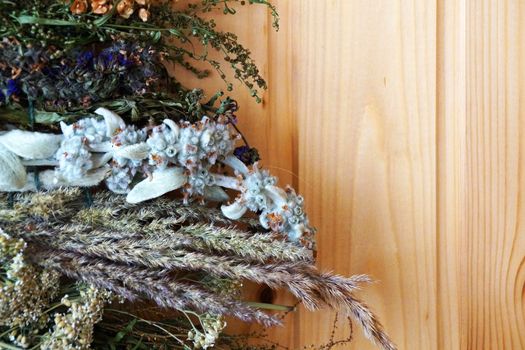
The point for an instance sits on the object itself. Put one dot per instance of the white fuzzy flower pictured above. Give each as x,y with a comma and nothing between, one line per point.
74,159
128,147
120,179
198,181
282,211
206,141
164,144
212,327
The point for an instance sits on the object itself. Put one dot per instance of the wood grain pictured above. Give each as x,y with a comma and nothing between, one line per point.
402,124
451,171
364,82
492,258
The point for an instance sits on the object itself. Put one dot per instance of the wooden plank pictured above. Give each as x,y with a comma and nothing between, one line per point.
364,83
351,120
492,269
451,171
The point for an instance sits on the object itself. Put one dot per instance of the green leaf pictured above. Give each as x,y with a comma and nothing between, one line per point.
44,117
179,34
120,335
45,21
155,36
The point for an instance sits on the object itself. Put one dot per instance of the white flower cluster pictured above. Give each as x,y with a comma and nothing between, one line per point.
74,155
288,216
25,292
281,211
123,169
195,147
252,192
90,144
74,330
149,162
212,327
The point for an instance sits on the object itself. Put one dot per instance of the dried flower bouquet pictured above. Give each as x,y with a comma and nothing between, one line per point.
130,218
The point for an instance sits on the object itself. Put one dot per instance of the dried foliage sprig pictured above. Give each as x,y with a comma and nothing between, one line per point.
66,27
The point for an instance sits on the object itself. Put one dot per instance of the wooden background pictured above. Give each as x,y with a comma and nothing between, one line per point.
402,123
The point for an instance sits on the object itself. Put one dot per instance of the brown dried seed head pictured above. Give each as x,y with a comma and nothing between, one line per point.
144,14
79,7
125,8
100,7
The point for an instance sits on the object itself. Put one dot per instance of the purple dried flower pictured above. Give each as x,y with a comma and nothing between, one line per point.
247,155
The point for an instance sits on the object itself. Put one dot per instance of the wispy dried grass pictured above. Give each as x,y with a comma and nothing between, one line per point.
137,250
136,283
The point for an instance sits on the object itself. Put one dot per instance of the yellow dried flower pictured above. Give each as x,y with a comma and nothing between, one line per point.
79,7
141,2
144,14
100,7
125,8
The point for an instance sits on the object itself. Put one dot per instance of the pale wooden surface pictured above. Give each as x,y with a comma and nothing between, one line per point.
402,124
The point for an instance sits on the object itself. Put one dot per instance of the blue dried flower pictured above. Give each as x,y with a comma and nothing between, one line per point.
85,59
79,77
13,88
107,57
124,61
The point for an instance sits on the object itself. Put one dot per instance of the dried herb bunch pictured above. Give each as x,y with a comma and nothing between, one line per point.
80,77
40,311
86,99
47,36
142,253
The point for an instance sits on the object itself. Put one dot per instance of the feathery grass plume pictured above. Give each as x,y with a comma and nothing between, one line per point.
300,277
261,247
165,208
161,237
107,207
155,285
160,220
311,287
52,205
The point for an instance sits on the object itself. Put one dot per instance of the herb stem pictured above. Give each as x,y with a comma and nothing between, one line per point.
275,307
